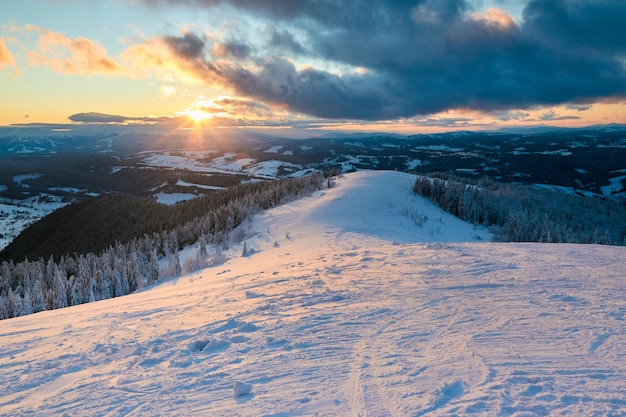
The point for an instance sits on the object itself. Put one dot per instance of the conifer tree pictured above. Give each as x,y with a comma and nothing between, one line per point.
39,301
59,291
4,310
153,268
75,291
27,303
15,304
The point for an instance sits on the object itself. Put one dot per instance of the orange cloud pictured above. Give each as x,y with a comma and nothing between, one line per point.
6,58
154,58
494,17
72,56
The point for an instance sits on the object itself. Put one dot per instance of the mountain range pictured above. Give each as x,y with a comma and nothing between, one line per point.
47,167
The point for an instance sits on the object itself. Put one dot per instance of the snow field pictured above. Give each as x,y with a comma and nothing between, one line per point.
345,306
16,216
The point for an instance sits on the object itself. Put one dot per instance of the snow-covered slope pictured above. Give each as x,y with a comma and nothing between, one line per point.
362,300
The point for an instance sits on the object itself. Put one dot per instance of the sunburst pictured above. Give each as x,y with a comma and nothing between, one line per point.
198,115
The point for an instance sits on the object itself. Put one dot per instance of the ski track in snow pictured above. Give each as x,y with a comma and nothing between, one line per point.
355,312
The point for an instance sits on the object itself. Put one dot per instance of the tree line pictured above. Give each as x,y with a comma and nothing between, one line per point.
32,286
523,213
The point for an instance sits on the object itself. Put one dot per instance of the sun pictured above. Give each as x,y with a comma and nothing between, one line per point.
198,115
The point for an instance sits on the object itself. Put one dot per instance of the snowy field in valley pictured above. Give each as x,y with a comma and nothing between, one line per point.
361,300
17,215
226,164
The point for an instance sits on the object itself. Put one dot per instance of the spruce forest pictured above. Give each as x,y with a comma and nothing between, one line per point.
521,213
138,249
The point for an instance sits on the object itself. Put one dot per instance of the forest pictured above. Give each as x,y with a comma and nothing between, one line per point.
523,213
149,251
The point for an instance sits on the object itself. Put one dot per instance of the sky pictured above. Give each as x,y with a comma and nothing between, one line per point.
312,66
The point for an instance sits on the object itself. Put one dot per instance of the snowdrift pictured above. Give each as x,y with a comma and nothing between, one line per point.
360,300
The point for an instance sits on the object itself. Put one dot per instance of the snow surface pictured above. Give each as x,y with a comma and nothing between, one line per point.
615,185
414,163
227,164
17,215
182,183
19,179
189,161
172,198
269,169
274,149
361,300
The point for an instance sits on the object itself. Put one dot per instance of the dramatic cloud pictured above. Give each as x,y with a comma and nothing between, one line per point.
245,108
187,46
6,58
283,40
71,56
413,57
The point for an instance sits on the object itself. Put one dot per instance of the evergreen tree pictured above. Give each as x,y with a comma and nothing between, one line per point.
153,269
4,310
92,291
75,298
15,304
27,303
38,298
59,291
173,266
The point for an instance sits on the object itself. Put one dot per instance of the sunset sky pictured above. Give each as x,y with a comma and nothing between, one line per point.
313,65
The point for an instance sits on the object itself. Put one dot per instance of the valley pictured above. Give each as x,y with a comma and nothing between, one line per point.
41,173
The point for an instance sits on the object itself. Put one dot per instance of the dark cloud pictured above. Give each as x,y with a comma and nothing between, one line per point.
244,107
508,115
283,40
579,107
551,115
579,24
231,49
91,117
277,9
189,45
453,122
307,91
97,118
420,57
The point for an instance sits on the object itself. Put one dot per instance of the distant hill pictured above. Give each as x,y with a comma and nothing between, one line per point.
89,226
99,222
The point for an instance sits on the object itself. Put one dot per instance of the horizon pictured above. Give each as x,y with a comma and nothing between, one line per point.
67,129
428,67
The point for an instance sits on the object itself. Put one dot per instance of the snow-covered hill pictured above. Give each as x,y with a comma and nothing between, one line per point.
361,300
